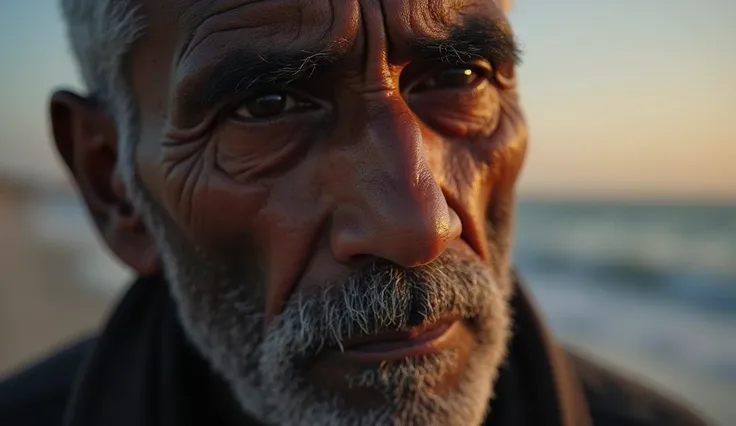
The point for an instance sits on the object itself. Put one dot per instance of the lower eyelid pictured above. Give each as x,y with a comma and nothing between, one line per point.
268,121
471,88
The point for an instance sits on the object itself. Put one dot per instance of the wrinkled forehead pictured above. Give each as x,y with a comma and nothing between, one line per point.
187,42
218,24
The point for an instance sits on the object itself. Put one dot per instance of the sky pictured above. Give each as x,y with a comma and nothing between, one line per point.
624,98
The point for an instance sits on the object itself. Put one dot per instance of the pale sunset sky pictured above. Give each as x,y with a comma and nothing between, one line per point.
631,98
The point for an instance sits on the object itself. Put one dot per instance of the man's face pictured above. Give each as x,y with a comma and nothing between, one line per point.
330,184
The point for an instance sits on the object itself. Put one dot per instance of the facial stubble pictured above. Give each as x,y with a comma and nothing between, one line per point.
221,311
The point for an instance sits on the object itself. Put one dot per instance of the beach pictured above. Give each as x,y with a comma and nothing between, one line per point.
42,305
57,283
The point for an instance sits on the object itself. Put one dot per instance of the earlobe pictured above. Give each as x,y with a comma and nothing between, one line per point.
86,138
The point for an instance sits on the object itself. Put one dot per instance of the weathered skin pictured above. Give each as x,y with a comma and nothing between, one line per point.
374,158
369,174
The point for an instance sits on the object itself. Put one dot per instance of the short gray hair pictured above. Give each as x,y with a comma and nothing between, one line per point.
101,34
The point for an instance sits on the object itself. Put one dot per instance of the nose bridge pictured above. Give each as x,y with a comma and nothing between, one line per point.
393,136
396,210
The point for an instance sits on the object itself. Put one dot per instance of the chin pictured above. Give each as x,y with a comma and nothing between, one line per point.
450,386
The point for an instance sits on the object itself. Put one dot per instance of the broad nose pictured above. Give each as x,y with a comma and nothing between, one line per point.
392,208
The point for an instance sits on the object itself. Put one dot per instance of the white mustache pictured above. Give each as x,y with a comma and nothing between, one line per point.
381,298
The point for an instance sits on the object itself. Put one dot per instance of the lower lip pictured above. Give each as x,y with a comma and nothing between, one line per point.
431,341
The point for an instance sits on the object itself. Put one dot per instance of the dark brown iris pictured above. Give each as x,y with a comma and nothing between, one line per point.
455,77
450,78
267,105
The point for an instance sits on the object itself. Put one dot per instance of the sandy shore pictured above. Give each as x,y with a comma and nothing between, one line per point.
42,305
57,283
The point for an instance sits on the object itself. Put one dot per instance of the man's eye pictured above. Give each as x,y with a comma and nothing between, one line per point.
268,105
452,78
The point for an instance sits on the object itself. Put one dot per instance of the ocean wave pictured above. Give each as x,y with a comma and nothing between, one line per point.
636,250
701,288
684,253
656,327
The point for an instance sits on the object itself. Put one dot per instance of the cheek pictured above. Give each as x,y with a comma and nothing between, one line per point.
466,187
478,175
216,183
251,152
474,168
502,154
226,213
463,114
503,157
200,199
287,233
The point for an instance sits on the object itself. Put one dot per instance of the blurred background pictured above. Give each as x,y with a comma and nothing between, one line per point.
626,225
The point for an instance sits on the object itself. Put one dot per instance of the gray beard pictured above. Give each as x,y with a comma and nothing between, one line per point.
222,315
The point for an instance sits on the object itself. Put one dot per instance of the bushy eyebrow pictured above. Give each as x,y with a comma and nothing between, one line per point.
475,39
242,69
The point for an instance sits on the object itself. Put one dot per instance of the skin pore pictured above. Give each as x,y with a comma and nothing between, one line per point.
317,180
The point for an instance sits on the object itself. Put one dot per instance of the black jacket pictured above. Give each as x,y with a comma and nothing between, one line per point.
142,371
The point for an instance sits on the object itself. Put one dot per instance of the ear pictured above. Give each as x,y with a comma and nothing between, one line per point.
505,4
86,138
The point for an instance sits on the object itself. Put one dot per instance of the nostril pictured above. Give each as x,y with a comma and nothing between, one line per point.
456,225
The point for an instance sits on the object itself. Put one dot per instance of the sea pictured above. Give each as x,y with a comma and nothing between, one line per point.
636,281
658,279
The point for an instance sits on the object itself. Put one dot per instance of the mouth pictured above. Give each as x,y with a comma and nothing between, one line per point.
401,344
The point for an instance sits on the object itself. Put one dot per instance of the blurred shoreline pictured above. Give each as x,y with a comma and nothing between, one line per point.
41,304
58,282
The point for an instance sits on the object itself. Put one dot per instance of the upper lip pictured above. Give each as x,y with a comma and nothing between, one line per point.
395,335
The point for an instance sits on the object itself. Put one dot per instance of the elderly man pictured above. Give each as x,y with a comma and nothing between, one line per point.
317,197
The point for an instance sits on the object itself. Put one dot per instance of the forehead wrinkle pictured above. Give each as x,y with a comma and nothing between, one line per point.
266,24
412,23
434,19
331,34
374,37
206,25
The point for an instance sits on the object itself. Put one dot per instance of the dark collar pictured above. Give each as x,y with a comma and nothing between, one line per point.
144,372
